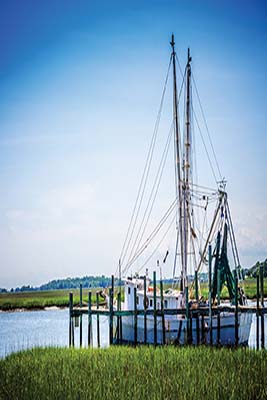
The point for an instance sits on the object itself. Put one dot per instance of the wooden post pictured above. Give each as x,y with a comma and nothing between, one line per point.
187,316
257,314
81,316
162,312
135,317
218,305
111,294
118,318
210,291
155,307
97,320
70,318
202,329
145,308
197,299
262,305
90,339
190,327
196,285
236,310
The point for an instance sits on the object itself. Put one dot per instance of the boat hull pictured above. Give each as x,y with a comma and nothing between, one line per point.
176,330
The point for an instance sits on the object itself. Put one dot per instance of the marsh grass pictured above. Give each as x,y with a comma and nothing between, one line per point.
41,299
134,373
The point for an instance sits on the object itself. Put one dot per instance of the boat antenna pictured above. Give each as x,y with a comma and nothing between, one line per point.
178,162
166,255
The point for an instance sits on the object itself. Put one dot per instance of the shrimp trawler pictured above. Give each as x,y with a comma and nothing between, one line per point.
203,231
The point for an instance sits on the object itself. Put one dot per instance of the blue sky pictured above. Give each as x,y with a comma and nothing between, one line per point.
80,87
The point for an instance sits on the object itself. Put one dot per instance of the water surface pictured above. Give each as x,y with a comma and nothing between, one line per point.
27,329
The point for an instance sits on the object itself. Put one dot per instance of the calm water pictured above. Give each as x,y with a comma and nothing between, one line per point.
22,330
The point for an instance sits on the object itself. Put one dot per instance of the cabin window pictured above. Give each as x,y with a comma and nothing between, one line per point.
151,302
165,303
129,290
137,300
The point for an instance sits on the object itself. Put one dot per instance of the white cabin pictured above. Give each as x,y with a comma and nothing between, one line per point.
173,299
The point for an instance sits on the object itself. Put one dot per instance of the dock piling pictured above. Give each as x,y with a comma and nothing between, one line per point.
258,313
236,310
97,320
210,289
81,316
145,308
197,299
70,318
90,339
119,318
187,316
162,312
111,297
262,305
155,307
218,305
135,317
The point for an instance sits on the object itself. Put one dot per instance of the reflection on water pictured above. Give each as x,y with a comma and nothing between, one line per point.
22,330
27,329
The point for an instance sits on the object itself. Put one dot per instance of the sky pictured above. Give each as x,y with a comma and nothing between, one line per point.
80,86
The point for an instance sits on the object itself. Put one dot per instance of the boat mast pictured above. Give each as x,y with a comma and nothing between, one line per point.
178,163
186,165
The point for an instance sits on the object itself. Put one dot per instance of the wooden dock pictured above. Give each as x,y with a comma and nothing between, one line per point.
190,312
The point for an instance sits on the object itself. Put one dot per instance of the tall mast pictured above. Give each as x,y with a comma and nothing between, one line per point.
188,117
187,164
178,163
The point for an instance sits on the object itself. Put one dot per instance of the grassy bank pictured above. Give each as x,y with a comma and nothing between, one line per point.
249,287
128,373
60,298
40,299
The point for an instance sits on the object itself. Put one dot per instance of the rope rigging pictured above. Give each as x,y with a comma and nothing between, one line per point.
190,196
151,199
207,129
152,235
158,245
144,178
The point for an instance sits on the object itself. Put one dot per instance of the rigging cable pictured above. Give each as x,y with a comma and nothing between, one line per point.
158,245
144,178
204,144
153,193
152,197
152,235
233,236
206,125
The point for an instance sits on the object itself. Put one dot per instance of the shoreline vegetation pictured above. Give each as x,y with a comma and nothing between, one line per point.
134,373
40,300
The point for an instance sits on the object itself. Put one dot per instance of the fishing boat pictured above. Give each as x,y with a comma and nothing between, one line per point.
200,244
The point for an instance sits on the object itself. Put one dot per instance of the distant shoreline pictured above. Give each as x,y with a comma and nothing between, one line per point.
59,299
58,308
26,309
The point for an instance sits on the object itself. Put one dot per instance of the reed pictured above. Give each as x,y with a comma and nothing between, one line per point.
134,373
42,299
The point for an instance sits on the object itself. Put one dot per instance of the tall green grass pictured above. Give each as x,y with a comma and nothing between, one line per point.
135,373
249,287
41,299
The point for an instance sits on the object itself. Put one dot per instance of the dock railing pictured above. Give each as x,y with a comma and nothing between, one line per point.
200,314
